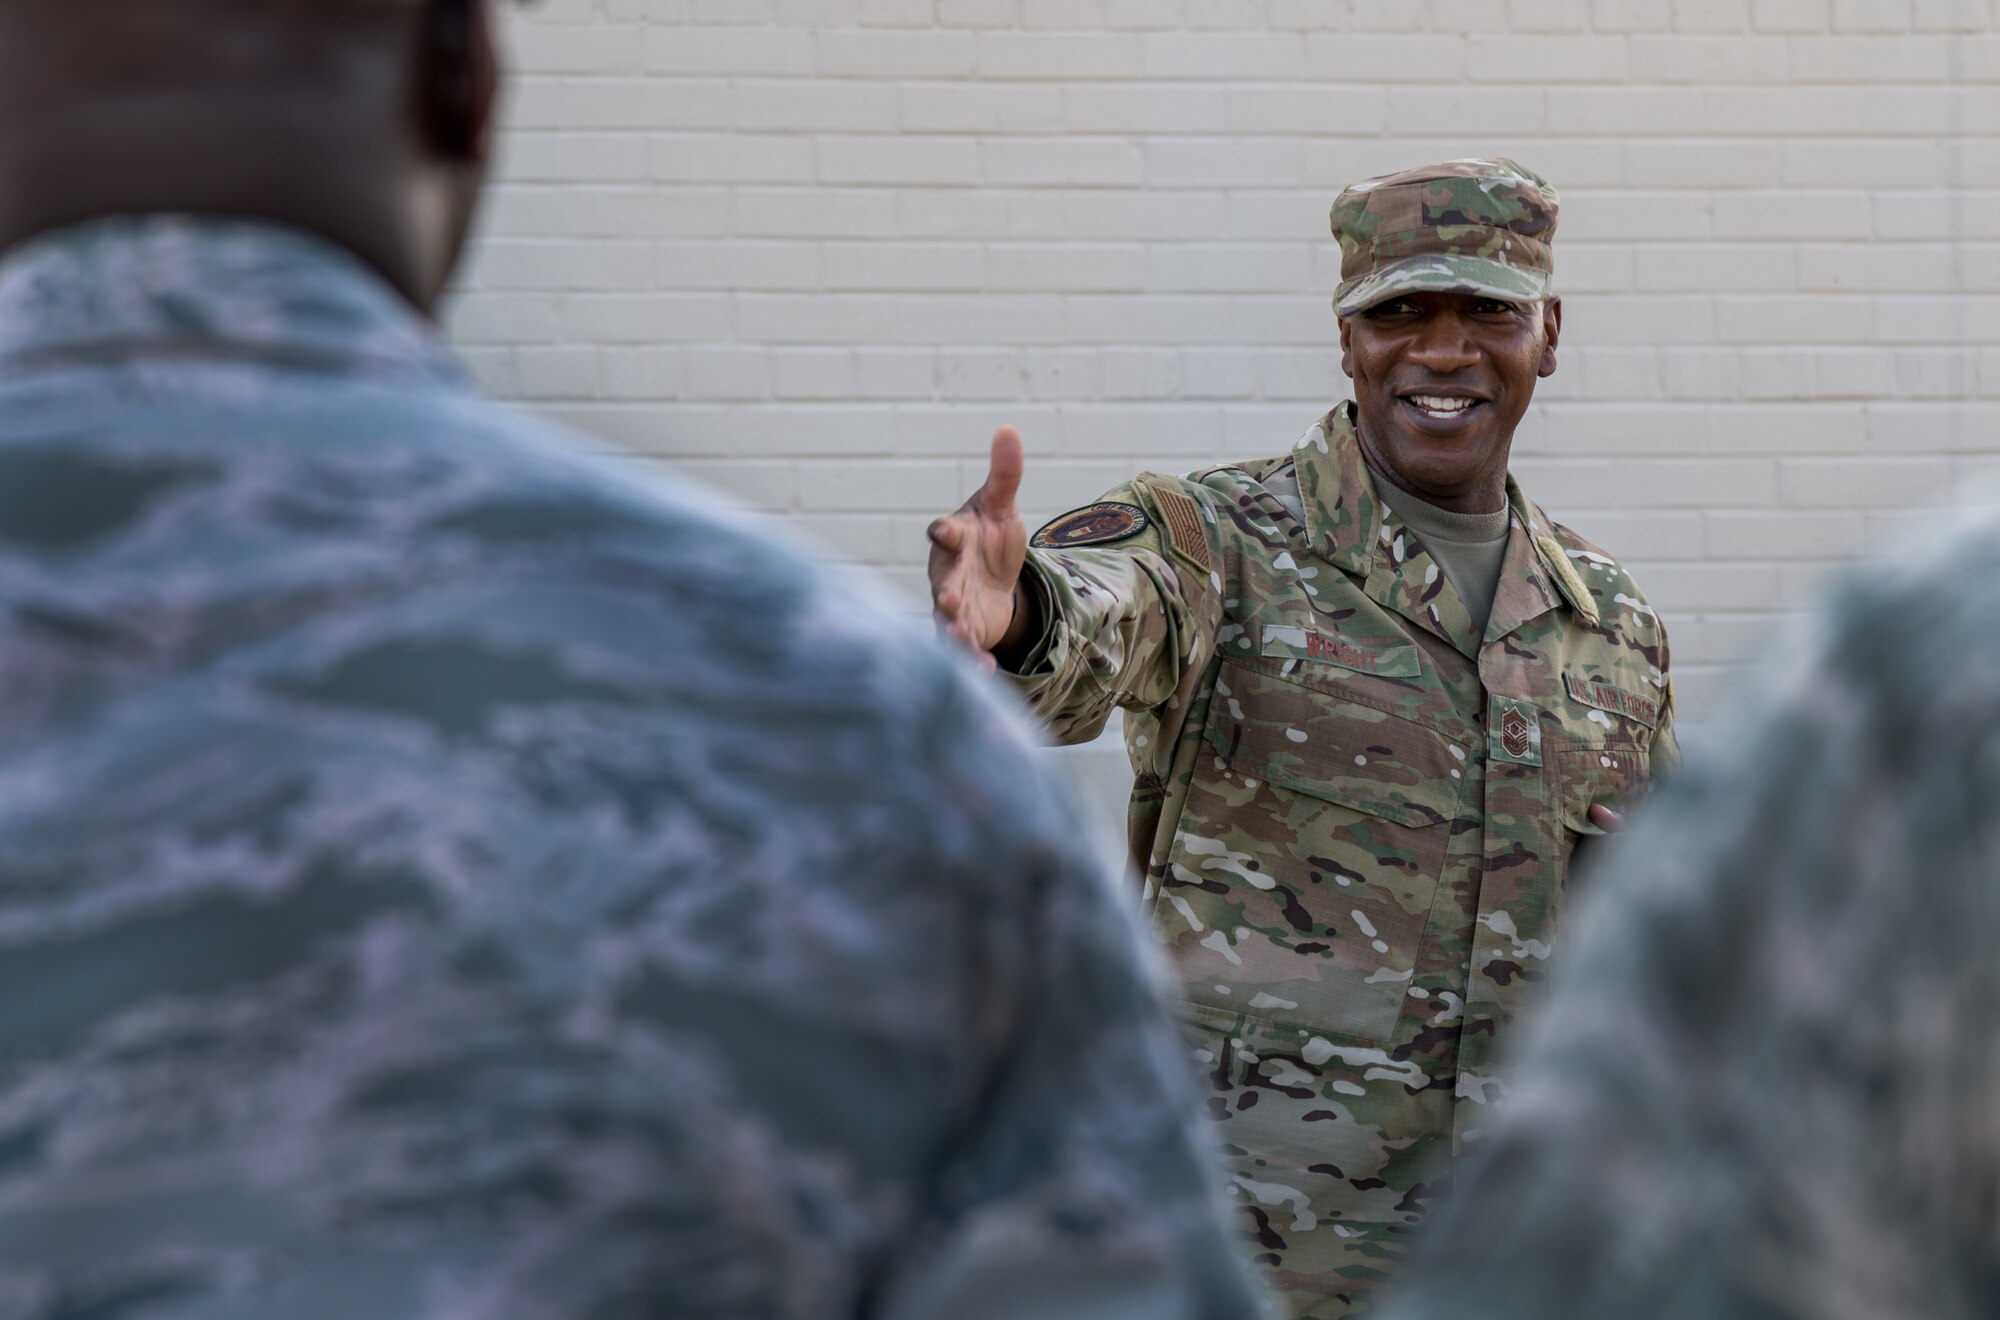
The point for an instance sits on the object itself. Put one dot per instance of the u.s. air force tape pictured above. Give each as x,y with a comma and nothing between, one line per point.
1093,524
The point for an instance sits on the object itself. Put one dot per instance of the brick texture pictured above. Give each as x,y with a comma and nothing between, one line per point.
811,251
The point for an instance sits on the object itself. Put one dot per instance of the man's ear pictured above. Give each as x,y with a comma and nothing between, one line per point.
458,79
1552,324
1347,347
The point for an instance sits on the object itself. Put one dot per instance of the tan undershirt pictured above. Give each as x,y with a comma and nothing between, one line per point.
1469,547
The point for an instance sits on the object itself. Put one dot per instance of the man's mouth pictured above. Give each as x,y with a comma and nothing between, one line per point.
1442,407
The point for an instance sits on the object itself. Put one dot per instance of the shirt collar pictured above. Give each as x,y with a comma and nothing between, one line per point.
1344,516
1343,513
150,285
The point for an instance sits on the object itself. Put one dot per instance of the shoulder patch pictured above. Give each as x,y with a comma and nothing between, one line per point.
1183,519
1093,524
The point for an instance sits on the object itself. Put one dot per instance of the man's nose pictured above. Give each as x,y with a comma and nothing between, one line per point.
1444,344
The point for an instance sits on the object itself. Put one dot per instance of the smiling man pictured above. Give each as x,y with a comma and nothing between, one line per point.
1374,698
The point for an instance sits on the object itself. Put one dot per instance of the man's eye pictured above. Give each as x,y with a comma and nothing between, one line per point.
1393,307
1495,307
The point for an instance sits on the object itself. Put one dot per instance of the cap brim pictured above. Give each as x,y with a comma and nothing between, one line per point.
1439,272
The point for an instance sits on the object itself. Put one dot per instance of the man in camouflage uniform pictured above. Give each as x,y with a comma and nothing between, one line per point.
439,880
1374,698
1767,1086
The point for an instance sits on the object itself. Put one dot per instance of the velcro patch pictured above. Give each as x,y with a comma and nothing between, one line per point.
1093,524
1297,642
1597,693
1183,519
1514,730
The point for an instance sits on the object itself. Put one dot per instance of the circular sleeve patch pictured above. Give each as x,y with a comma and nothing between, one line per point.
1093,524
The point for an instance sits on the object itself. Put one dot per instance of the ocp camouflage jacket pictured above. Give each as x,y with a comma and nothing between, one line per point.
1355,816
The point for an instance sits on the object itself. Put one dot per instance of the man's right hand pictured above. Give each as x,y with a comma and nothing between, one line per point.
976,558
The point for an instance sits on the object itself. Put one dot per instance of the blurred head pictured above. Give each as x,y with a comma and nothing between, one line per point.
365,121
1447,319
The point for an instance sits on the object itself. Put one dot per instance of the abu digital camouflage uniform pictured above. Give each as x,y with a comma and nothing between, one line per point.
1767,1083
440,880
1355,816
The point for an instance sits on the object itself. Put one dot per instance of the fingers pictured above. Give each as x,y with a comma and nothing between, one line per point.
948,537
947,534
959,598
1003,474
950,592
957,617
1611,822
960,629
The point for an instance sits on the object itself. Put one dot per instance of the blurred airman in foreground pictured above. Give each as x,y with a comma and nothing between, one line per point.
1768,1082
438,879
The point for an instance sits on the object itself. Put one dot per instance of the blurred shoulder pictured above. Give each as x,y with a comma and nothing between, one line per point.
1942,586
742,603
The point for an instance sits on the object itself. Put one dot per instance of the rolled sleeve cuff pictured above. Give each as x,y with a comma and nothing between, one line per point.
1045,658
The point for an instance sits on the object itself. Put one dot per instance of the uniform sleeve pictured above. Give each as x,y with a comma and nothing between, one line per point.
1123,622
1665,754
1764,1085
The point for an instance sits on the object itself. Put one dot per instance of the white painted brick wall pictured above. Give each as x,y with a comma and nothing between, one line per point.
814,250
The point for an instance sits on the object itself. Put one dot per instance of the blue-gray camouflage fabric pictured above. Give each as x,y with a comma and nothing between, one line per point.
440,879
1767,1086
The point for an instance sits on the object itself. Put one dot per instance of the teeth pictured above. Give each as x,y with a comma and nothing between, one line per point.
1434,404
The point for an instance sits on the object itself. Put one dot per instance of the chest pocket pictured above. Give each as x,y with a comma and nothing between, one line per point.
1305,864
1609,775
1612,774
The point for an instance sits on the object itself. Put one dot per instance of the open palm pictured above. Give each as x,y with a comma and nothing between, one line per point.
977,554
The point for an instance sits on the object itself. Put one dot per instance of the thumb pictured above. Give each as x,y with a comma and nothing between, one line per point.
1003,474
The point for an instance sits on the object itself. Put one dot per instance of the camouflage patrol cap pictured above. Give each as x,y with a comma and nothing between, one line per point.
1463,226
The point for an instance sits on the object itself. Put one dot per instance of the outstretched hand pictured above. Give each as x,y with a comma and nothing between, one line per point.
977,554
